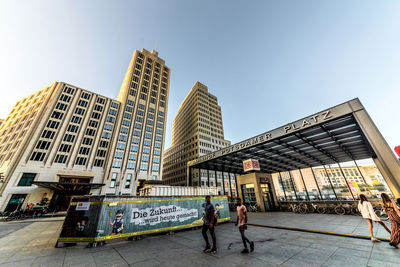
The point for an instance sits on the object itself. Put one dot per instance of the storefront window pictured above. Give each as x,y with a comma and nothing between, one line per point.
289,186
311,185
374,182
299,185
249,195
280,193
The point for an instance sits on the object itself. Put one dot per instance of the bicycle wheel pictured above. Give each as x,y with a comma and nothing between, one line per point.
321,210
310,209
354,211
339,210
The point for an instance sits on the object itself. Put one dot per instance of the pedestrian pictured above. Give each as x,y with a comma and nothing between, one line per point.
368,213
241,222
393,213
208,225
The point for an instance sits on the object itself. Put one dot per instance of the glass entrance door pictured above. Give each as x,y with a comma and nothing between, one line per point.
268,198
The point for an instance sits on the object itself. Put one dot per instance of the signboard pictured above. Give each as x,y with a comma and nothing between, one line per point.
82,206
251,165
119,217
354,187
264,181
397,149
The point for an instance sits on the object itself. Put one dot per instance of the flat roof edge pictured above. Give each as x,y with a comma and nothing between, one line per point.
324,116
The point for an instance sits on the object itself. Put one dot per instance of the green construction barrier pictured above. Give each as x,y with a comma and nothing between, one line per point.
98,218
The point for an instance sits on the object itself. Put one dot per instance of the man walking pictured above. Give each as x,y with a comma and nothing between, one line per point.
209,222
242,223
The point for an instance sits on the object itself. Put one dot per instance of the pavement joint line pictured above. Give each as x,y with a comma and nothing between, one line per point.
315,231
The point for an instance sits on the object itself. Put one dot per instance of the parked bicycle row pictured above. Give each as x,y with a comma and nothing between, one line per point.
34,212
331,208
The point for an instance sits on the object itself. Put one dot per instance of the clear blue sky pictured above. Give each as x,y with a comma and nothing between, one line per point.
268,62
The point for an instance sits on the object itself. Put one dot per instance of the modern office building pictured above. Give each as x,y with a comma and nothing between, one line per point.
197,130
335,154
64,140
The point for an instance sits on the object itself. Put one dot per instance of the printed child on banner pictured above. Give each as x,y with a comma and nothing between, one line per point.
118,223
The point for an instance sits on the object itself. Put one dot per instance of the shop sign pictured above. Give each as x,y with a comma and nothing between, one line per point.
251,165
354,187
264,181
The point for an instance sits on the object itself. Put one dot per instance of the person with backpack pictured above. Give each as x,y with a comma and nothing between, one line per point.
208,225
241,222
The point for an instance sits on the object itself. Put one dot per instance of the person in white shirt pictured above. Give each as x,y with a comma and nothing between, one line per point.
368,213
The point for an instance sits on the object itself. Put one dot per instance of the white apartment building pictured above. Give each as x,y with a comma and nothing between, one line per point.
64,140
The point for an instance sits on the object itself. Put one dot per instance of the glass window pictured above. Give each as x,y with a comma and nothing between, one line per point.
128,180
26,179
116,164
113,179
130,165
143,167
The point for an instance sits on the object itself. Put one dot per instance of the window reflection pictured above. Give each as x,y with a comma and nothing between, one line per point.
331,182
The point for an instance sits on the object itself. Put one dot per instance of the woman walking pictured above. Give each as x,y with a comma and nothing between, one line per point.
368,213
393,212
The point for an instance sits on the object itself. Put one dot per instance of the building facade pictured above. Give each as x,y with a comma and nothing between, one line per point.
64,140
197,130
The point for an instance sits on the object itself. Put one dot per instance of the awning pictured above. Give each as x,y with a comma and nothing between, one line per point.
68,187
328,137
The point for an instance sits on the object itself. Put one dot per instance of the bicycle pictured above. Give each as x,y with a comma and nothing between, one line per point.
254,208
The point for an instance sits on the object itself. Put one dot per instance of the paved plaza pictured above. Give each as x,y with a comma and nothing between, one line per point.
32,244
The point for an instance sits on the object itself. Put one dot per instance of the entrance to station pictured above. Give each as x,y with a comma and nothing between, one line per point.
268,197
61,199
63,194
65,189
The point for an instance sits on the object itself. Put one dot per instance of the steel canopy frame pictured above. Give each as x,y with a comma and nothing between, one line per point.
332,136
312,147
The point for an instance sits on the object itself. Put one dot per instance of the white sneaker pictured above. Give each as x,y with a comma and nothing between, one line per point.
373,239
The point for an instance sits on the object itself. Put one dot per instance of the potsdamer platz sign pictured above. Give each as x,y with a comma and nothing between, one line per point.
339,134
